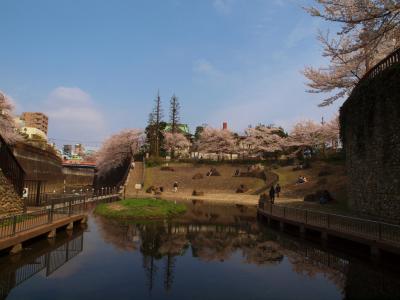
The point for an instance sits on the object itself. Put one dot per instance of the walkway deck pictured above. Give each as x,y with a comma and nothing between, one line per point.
16,229
38,229
377,235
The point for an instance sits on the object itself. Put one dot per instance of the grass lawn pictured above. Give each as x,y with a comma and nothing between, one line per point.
142,208
335,182
183,173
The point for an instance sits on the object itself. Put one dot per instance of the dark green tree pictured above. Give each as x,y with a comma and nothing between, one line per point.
174,113
153,129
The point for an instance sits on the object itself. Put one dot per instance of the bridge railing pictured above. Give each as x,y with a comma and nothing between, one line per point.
390,60
56,210
364,228
12,170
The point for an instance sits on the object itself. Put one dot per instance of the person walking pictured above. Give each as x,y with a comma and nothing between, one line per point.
272,194
175,186
277,189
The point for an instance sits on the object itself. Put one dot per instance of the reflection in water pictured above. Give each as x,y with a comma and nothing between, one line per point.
211,252
216,233
15,270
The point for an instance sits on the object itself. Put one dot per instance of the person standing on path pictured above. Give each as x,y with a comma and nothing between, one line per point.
272,194
277,190
175,186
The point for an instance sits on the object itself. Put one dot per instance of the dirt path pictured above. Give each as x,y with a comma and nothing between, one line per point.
218,198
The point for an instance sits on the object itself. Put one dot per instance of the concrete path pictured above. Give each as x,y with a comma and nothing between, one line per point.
135,176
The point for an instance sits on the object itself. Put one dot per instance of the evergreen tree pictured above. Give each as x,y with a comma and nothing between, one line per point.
174,118
174,113
153,130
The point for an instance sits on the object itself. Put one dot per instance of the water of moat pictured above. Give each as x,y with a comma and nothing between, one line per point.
212,252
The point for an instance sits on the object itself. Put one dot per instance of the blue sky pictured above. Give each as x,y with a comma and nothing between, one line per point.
95,66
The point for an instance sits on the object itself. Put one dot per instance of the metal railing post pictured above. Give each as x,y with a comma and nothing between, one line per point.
328,221
380,231
14,225
69,207
51,211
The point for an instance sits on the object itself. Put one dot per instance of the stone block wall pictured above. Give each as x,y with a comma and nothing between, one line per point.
370,130
9,201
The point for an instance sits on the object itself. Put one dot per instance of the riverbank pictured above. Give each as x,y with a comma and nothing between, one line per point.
215,198
140,208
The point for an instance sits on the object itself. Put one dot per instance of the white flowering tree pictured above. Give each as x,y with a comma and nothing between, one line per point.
218,141
117,149
7,124
263,139
176,142
306,133
369,30
315,135
331,132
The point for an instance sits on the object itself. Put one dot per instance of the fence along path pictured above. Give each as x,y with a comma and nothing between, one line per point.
58,210
385,63
351,227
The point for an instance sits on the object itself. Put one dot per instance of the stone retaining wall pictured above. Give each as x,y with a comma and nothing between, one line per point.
9,200
370,129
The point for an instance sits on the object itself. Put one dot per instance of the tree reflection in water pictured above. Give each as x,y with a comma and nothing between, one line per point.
216,233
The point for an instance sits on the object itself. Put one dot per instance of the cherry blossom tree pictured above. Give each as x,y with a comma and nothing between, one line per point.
311,134
263,139
306,133
117,149
7,124
369,31
331,132
219,141
175,142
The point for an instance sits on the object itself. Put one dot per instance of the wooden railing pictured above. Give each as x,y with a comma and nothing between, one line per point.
390,60
12,170
346,225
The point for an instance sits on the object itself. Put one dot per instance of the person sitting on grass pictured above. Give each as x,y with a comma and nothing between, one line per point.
300,180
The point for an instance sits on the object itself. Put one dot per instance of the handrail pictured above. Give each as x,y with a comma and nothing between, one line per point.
338,215
53,211
11,168
385,63
359,227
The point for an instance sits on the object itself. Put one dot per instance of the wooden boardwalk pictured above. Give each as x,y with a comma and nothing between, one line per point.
16,229
39,227
377,235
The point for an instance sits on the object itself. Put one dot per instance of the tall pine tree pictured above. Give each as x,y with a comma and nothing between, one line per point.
174,113
154,127
174,117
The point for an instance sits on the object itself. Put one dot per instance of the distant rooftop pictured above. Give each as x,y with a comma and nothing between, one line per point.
184,128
